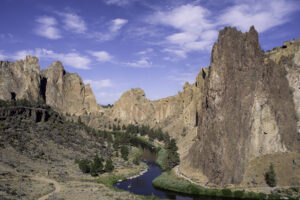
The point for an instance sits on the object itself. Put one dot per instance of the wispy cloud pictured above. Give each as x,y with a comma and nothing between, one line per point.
99,84
72,59
193,27
141,63
263,14
196,27
47,28
117,24
2,56
101,56
73,22
119,2
146,51
114,26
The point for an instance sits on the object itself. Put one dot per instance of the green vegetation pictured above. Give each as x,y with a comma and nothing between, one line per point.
95,167
109,167
172,158
84,166
168,181
137,157
270,176
110,180
162,155
124,152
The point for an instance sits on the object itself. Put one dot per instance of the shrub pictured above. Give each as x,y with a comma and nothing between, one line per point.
84,166
239,193
193,189
226,192
124,152
97,166
270,176
109,167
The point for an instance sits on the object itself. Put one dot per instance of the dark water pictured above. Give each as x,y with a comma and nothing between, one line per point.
142,185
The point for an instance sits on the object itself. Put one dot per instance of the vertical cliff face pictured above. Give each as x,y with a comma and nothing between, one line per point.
63,91
20,80
247,109
66,92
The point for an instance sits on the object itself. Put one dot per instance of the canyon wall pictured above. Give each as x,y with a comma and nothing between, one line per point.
61,90
248,108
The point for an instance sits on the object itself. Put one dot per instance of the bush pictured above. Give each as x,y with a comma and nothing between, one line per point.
270,176
97,166
239,193
124,152
109,167
84,166
226,192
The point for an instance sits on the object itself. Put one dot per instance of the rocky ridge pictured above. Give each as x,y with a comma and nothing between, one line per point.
248,108
63,91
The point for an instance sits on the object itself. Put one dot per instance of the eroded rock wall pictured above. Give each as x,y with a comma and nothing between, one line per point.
247,111
61,90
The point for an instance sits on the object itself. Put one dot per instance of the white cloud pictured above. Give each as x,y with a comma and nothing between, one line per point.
72,59
117,24
73,22
180,53
114,27
146,51
47,28
101,56
141,63
99,84
263,14
118,2
2,56
196,28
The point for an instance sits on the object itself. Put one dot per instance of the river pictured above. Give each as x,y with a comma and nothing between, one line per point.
142,185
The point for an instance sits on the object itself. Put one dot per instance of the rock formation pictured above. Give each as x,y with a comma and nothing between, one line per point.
248,108
66,92
63,91
20,80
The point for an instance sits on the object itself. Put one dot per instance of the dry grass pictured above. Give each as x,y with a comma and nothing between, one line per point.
287,172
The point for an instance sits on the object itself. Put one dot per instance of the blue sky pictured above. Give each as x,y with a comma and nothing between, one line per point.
116,45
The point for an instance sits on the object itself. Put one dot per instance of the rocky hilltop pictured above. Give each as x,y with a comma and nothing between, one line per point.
61,90
249,106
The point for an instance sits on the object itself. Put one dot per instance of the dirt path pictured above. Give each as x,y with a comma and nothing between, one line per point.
46,180
203,184
177,171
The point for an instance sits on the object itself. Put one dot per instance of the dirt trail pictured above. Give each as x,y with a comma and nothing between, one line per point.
46,180
203,184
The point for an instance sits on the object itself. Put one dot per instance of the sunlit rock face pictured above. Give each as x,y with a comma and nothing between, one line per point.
67,92
248,109
63,91
20,80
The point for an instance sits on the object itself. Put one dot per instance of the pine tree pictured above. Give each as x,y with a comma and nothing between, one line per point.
270,176
109,167
124,152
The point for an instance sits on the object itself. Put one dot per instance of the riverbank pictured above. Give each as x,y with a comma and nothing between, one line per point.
170,181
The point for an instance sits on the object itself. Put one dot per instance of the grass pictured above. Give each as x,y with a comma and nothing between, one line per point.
162,154
110,180
169,181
